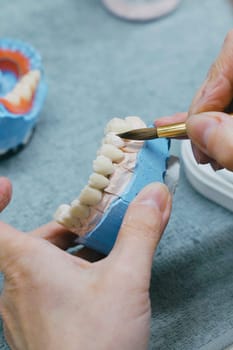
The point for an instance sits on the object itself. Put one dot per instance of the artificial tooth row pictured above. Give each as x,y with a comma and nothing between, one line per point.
110,152
25,88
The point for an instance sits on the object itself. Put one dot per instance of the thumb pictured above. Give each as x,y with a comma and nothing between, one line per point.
142,228
212,133
5,192
9,236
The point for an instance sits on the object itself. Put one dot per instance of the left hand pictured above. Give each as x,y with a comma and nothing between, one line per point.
54,300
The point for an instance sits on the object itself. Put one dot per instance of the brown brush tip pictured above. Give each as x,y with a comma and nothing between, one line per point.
140,134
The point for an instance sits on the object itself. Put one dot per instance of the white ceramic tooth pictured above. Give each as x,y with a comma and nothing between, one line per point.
27,78
103,165
26,91
35,74
23,89
33,78
135,122
62,215
79,210
113,139
111,152
117,125
90,196
13,97
27,85
98,181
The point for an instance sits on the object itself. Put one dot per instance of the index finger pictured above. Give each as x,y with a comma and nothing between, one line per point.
217,91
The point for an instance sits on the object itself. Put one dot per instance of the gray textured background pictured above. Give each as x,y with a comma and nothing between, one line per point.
99,67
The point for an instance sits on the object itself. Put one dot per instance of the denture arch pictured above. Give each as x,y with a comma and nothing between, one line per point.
119,173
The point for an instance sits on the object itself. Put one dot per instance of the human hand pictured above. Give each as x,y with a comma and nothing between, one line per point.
54,300
209,128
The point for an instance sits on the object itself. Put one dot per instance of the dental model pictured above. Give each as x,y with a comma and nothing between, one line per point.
22,93
122,168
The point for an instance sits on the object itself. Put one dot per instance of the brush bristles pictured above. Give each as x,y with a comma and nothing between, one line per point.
140,134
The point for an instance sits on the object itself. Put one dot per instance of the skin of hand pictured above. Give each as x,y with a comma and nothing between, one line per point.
209,126
54,300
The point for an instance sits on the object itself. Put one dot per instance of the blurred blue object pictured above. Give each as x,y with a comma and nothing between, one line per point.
17,59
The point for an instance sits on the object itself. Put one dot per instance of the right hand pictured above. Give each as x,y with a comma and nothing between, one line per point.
209,126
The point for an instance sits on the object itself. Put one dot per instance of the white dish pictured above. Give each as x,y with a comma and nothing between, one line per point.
216,186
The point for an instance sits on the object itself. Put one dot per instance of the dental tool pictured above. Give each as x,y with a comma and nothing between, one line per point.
174,130
168,131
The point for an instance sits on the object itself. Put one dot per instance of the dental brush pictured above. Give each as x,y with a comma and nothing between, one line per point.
168,131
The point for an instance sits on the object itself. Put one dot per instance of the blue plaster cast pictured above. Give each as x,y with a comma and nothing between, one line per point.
15,129
150,167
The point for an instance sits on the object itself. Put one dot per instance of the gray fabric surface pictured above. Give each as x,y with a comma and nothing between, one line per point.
99,67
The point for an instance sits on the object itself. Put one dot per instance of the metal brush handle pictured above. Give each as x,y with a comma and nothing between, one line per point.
172,130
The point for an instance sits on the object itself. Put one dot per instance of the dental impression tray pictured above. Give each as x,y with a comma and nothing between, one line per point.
122,168
22,93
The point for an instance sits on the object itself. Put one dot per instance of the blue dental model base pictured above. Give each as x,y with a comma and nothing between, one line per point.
150,167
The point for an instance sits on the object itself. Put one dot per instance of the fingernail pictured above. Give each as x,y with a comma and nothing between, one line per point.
5,192
215,166
201,127
196,154
155,195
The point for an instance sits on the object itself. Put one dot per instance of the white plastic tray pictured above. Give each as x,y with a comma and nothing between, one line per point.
216,186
